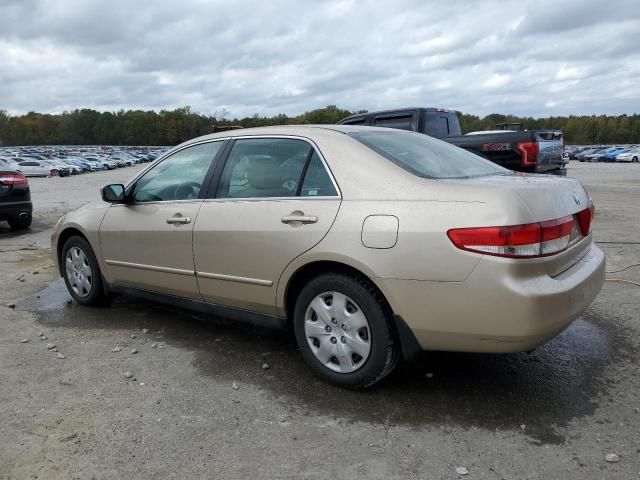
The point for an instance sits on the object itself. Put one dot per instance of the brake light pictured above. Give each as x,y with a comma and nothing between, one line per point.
585,218
13,179
516,241
528,153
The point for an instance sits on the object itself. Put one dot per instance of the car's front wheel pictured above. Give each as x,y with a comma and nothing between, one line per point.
344,330
81,272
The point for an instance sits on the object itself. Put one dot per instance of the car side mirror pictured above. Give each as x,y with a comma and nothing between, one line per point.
113,193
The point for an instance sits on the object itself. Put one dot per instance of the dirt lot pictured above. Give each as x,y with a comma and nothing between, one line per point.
201,405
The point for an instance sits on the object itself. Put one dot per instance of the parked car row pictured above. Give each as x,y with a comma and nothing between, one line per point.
65,161
604,153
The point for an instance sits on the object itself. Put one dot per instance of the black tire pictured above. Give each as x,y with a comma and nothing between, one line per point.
20,223
634,160
96,295
384,351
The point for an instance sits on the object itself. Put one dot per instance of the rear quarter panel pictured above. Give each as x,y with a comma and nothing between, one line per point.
423,250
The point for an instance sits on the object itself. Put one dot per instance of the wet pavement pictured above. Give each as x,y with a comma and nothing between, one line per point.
201,405
536,392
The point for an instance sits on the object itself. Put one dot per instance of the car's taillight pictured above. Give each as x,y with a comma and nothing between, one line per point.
528,153
516,241
585,218
13,179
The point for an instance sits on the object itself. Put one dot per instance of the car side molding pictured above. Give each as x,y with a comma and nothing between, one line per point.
227,313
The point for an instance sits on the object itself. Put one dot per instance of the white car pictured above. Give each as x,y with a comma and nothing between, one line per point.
9,163
125,157
58,168
632,155
34,168
100,162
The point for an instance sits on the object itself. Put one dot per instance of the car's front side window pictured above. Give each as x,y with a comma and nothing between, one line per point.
179,176
264,167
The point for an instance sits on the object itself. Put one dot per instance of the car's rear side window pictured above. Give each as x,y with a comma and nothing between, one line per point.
263,167
274,168
355,121
317,182
426,156
438,124
401,122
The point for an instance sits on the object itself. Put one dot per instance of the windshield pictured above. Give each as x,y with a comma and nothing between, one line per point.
426,156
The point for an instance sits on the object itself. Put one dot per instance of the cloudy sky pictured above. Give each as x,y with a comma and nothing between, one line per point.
288,56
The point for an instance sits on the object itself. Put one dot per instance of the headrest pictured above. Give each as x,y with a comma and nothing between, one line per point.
263,173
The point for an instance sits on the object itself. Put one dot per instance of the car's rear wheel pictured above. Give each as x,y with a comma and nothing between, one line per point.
344,330
634,160
21,222
81,272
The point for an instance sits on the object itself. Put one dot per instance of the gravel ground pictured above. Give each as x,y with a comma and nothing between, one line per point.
199,404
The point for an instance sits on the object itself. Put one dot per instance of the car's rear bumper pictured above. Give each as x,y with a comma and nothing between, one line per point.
495,309
13,209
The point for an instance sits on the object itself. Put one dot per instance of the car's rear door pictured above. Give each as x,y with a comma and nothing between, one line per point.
275,199
147,242
32,168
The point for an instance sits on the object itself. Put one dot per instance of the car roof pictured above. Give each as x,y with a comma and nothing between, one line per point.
299,130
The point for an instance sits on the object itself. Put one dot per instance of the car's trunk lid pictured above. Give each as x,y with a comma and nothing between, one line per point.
547,198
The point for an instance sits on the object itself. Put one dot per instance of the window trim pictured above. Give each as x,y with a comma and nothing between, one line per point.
212,191
205,182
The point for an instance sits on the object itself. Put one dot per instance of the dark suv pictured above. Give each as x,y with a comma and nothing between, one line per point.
15,198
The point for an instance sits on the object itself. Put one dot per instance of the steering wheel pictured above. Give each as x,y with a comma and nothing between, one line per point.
186,191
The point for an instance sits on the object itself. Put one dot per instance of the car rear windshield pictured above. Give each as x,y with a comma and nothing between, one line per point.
426,156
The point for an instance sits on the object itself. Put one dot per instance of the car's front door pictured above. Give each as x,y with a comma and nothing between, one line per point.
275,199
147,241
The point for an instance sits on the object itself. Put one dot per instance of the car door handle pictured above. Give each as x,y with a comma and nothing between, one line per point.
179,219
299,218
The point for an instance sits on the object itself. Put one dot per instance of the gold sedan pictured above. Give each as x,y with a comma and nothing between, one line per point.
372,244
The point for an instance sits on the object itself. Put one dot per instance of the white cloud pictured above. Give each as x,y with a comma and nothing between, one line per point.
571,73
496,80
287,56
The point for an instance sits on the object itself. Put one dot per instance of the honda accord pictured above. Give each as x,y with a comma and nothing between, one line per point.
370,244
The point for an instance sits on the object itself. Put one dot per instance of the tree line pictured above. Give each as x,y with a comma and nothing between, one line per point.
170,127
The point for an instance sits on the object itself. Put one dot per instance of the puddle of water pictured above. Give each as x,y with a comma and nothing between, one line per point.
543,390
52,298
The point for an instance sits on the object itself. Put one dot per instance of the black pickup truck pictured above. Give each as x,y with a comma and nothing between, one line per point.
509,145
